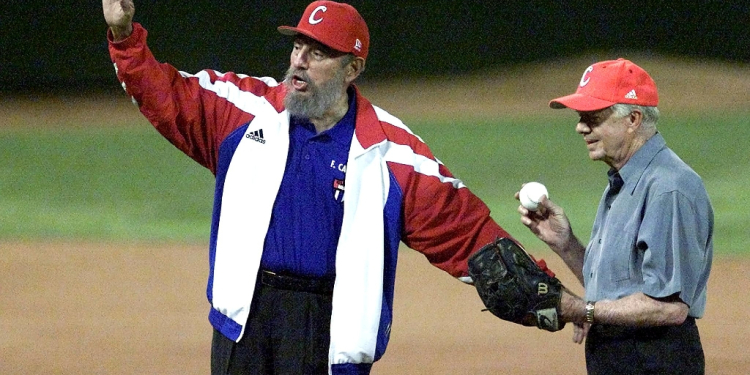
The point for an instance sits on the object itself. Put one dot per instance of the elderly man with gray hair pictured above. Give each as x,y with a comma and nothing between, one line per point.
647,263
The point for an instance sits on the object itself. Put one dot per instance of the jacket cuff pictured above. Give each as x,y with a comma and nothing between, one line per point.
138,34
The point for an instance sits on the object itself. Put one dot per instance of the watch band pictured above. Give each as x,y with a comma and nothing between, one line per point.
590,312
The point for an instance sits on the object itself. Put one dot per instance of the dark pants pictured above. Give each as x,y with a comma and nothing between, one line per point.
653,350
287,332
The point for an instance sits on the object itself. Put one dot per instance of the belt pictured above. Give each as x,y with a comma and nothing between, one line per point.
297,283
625,332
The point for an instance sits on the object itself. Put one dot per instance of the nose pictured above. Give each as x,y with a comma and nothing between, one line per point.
299,58
582,128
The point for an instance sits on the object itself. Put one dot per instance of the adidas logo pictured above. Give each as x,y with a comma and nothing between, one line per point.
631,95
256,136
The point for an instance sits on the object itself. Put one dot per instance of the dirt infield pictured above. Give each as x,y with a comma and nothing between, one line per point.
70,308
83,308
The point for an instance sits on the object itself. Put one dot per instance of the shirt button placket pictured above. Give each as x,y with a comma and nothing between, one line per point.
308,146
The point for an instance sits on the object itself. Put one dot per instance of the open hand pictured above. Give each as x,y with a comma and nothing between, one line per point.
119,17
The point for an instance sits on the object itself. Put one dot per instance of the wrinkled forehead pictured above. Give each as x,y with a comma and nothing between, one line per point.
306,40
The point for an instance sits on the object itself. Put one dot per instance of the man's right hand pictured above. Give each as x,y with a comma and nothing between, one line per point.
550,224
119,17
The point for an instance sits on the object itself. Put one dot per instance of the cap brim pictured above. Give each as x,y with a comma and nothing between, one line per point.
288,30
291,31
579,102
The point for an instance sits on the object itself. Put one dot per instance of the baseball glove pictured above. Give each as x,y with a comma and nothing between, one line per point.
514,288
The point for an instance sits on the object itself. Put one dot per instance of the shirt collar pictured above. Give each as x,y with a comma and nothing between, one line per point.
343,131
632,171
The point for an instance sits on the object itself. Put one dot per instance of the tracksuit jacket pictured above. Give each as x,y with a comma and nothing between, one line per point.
396,191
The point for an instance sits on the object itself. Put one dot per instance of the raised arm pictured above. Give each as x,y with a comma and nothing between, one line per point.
119,17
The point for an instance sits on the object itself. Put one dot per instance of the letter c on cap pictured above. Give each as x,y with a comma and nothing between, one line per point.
312,19
584,79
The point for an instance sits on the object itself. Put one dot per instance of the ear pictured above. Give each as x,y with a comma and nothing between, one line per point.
635,119
354,69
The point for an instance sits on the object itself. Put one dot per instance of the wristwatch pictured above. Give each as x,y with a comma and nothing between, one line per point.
590,312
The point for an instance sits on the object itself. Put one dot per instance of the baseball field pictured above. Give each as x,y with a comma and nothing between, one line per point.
104,225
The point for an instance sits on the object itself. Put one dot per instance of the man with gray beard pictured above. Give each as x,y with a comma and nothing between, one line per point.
315,190
320,99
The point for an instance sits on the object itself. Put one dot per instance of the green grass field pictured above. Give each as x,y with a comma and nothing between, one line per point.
495,158
129,184
101,184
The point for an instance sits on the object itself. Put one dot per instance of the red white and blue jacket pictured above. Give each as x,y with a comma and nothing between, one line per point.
396,191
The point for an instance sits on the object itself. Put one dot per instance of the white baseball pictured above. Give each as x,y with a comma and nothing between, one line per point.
530,195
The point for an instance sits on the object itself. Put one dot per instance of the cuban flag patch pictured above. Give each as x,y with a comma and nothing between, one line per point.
338,190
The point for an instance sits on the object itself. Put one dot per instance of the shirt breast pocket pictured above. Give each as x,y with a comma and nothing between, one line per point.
622,255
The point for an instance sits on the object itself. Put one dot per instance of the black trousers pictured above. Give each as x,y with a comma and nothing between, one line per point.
653,350
287,332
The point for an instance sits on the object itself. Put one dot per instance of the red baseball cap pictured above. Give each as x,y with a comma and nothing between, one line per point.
610,82
336,25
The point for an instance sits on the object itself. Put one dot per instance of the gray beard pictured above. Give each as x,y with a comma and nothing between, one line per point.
320,100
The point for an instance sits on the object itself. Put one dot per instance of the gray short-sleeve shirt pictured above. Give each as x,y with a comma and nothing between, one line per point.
653,236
